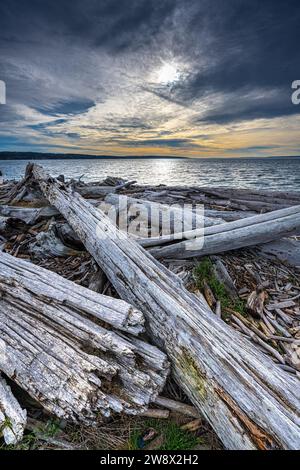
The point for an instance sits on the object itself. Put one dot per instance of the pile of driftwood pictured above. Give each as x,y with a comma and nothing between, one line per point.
76,350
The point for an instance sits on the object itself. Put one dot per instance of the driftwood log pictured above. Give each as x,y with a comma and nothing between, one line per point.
28,215
177,407
180,218
12,417
228,216
241,233
226,198
249,401
58,342
283,249
287,251
287,198
90,192
51,244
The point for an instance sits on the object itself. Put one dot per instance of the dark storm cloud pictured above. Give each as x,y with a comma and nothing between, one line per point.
249,45
116,24
247,104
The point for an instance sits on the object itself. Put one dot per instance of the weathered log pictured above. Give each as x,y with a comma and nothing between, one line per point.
238,204
178,407
49,244
24,190
68,236
271,197
236,193
28,215
124,185
12,417
231,236
95,191
114,312
220,228
287,251
54,346
228,216
160,216
249,401
156,413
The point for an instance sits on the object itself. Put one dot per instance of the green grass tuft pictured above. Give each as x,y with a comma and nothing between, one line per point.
204,272
31,440
174,438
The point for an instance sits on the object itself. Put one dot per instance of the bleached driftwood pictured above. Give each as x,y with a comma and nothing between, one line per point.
47,244
228,216
249,401
23,190
245,199
174,217
178,407
12,417
28,215
156,413
54,346
287,251
270,197
241,233
225,194
114,312
90,192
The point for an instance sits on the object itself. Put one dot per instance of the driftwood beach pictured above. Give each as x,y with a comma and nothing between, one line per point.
99,325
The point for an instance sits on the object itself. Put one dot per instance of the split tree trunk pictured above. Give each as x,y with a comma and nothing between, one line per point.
249,401
56,344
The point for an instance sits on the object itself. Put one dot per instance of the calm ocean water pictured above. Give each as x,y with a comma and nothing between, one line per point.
280,174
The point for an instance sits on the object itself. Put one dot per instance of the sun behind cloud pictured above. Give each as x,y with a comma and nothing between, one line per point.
168,74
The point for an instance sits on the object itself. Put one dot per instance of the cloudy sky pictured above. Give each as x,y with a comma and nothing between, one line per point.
150,77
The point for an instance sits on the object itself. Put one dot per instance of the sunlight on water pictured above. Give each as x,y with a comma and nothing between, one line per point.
281,174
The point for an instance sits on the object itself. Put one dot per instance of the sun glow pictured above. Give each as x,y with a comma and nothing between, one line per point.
168,74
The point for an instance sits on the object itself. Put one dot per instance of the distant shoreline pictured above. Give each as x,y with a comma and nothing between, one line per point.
70,156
